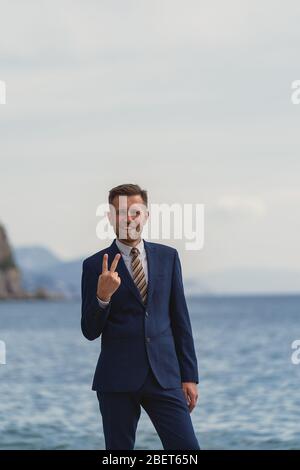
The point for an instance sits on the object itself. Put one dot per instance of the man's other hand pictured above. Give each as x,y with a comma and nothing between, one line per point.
191,394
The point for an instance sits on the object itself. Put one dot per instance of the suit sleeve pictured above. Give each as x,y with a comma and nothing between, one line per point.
93,316
181,327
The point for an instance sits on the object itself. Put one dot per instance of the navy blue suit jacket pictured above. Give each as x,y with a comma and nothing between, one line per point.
134,335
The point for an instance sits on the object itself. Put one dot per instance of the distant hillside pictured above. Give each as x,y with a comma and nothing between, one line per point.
43,269
35,258
247,280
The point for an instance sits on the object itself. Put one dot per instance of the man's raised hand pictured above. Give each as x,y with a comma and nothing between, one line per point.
109,280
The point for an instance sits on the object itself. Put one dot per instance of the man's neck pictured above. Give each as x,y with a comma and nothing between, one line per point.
131,243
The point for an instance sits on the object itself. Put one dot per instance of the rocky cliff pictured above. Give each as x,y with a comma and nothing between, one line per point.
10,276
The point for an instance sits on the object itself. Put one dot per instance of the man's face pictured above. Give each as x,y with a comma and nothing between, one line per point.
128,215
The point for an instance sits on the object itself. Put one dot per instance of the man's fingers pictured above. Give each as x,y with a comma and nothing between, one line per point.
186,396
191,407
191,397
115,262
193,400
105,263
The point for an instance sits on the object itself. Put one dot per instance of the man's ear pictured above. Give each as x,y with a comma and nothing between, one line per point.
145,217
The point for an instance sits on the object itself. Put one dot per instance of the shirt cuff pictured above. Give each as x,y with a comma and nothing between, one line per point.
103,303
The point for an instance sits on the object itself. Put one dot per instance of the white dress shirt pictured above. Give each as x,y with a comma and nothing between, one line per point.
127,257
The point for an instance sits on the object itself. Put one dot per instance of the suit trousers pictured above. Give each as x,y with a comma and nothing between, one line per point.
166,408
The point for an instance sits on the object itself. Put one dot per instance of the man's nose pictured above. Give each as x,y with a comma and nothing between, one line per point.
130,218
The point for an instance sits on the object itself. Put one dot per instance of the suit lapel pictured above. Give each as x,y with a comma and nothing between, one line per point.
152,269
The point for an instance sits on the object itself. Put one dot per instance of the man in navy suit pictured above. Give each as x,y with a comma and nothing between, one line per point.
133,297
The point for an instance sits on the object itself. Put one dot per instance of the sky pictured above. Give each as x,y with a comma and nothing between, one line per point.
190,99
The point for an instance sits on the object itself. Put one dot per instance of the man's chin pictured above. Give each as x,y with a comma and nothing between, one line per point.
124,235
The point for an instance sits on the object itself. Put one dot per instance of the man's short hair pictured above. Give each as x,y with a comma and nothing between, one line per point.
128,190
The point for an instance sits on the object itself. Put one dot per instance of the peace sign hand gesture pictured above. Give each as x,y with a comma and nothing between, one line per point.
109,280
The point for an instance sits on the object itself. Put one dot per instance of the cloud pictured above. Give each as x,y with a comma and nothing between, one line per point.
102,29
241,206
71,27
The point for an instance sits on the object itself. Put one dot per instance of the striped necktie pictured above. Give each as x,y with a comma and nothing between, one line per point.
138,273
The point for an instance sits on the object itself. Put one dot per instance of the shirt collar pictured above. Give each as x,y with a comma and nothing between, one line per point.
126,249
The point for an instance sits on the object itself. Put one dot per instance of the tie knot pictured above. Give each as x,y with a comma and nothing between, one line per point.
135,251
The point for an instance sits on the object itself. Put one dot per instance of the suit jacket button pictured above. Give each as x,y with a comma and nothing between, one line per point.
147,314
148,340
